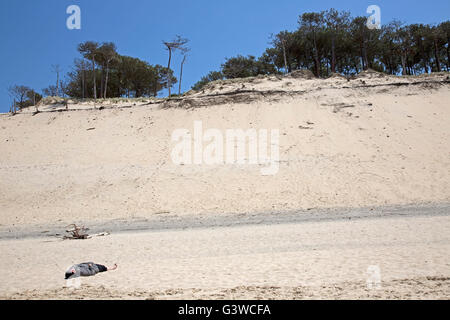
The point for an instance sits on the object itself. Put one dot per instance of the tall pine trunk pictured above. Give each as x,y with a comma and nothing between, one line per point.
95,84
106,81
363,62
169,80
102,82
181,75
366,60
82,83
436,55
448,54
403,57
333,55
316,62
284,56
57,83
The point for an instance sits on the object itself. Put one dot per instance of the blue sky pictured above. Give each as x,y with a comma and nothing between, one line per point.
34,34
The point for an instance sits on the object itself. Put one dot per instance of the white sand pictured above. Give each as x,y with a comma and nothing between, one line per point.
396,151
388,146
302,260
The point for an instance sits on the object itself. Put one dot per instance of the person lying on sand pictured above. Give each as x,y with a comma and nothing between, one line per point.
86,269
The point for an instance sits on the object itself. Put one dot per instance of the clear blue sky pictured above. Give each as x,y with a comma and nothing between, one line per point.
34,34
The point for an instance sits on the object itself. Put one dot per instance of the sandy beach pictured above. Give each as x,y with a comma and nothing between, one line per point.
312,259
350,151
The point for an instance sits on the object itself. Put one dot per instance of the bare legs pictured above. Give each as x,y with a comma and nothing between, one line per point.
112,268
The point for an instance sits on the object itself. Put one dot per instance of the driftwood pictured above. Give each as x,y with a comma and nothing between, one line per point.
79,233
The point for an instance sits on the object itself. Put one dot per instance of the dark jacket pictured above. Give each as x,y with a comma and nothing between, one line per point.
85,269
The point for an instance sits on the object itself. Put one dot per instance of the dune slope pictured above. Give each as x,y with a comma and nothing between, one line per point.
374,140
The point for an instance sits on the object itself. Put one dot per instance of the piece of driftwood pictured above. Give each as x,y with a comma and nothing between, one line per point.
101,234
76,232
80,233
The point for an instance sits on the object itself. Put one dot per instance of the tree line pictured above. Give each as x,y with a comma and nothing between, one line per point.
23,97
332,41
324,42
101,72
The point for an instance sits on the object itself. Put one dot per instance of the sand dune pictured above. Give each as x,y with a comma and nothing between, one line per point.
371,141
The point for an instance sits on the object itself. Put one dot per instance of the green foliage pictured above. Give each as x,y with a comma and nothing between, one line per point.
333,42
24,96
325,42
240,67
116,75
212,76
